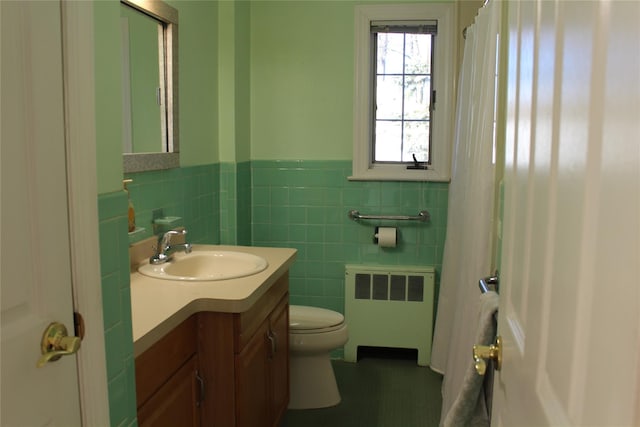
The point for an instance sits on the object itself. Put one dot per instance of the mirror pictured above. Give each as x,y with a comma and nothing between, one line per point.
150,85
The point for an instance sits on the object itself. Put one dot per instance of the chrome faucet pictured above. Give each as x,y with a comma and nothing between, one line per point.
165,250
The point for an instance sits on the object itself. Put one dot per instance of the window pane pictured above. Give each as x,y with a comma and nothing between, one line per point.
390,51
389,97
417,98
402,97
416,141
418,54
388,146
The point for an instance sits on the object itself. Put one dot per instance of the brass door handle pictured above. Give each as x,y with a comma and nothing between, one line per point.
482,353
57,343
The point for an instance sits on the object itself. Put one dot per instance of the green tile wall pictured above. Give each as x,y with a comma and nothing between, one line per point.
243,213
190,193
116,300
304,204
235,203
228,204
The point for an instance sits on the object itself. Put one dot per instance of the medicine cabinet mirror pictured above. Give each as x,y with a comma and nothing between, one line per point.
150,85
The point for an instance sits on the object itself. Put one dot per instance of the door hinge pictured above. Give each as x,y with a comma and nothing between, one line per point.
78,324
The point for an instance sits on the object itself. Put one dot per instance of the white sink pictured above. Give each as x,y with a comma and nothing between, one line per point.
206,265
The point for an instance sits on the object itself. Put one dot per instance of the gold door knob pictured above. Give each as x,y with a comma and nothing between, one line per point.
482,353
57,343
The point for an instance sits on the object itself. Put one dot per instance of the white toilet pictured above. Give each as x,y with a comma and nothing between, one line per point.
313,333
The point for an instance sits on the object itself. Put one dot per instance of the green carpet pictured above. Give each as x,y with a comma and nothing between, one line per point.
378,391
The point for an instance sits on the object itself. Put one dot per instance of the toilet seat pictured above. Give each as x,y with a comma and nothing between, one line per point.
313,320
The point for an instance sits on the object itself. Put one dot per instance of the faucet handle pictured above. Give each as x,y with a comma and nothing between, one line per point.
165,238
163,248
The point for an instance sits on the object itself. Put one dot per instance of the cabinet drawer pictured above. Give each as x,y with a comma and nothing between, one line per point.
155,366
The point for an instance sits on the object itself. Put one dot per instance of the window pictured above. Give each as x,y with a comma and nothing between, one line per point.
405,58
402,95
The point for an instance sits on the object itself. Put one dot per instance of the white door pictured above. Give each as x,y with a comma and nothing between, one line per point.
570,279
35,261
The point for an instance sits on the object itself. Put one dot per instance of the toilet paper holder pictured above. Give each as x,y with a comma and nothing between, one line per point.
385,237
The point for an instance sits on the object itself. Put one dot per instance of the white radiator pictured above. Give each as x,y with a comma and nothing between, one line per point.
389,307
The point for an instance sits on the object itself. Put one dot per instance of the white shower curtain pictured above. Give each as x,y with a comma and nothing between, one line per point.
467,250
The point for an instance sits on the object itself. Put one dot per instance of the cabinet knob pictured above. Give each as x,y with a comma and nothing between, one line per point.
201,388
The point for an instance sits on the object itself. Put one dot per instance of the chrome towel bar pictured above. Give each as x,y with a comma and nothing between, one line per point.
423,216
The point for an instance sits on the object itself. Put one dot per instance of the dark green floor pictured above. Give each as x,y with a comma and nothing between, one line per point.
381,390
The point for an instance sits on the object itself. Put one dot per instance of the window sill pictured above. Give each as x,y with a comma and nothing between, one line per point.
399,174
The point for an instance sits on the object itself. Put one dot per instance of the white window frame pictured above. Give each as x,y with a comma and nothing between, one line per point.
445,55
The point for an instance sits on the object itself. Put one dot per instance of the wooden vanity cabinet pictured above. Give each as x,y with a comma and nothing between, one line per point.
167,385
244,358
220,369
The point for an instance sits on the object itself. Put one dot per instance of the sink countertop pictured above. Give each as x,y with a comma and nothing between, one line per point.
158,305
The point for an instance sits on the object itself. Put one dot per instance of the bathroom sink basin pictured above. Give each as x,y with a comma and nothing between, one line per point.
206,265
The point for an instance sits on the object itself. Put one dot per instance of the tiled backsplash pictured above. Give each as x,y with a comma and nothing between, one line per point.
190,193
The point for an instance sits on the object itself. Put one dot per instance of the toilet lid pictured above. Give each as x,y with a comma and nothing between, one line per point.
305,318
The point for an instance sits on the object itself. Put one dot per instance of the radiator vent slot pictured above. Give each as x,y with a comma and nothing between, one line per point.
397,288
363,286
416,288
380,287
389,307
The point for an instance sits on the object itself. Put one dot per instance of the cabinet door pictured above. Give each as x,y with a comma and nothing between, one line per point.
252,401
175,403
158,363
279,361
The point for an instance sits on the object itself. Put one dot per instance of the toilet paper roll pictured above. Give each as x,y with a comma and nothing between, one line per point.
386,237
